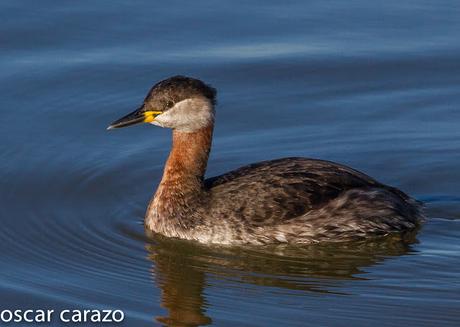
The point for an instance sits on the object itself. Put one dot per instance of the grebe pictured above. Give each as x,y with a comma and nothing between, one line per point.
289,200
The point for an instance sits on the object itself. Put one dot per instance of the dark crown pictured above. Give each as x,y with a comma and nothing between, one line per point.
172,90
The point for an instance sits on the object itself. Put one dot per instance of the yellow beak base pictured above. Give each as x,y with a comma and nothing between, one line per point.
136,117
149,116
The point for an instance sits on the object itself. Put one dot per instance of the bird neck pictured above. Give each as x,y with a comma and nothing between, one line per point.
188,158
182,187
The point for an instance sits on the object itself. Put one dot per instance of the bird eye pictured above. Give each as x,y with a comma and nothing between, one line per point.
169,104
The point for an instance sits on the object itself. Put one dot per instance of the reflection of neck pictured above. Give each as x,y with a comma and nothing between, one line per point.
181,283
182,186
183,297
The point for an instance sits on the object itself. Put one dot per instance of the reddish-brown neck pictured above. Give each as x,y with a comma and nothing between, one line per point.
182,187
188,158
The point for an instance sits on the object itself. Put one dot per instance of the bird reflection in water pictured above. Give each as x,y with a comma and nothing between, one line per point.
181,268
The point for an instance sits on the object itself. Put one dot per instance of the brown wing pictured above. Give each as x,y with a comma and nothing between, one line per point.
270,192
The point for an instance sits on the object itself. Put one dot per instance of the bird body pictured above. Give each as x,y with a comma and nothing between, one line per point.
289,200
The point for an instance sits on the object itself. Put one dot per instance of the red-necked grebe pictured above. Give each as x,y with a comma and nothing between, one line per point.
289,200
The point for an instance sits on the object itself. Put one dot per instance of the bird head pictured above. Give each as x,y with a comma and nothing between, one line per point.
179,102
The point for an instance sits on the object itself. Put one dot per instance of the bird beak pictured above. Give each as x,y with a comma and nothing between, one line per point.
136,117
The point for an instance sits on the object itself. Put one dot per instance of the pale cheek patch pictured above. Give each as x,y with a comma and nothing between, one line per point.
188,115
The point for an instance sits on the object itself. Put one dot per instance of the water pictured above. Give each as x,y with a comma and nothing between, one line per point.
371,85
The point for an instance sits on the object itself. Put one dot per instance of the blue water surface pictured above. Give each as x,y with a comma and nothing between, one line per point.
373,85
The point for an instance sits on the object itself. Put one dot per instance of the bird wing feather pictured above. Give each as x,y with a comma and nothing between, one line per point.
272,192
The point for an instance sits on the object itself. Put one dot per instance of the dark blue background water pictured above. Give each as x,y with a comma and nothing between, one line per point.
374,85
